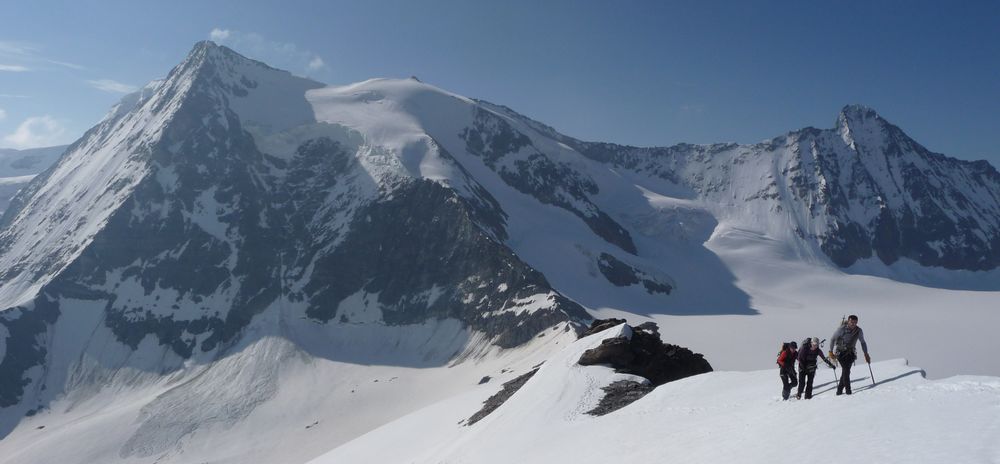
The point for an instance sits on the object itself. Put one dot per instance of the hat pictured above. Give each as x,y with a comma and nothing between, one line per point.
793,344
814,340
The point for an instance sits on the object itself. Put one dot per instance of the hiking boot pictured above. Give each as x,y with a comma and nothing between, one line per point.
798,396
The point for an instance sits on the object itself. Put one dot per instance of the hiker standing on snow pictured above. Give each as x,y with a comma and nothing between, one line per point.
786,361
807,366
843,340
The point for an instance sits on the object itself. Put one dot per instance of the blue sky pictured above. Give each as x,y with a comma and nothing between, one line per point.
641,73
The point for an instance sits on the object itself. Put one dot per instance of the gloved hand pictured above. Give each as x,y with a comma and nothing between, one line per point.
868,359
830,364
831,355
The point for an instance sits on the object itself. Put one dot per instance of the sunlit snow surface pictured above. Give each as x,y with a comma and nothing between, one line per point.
709,418
269,401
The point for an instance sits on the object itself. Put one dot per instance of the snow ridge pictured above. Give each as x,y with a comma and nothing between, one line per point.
710,417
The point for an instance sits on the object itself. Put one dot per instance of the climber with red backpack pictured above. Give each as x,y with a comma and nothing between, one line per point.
786,364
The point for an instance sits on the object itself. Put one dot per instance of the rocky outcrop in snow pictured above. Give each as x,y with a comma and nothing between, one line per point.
641,352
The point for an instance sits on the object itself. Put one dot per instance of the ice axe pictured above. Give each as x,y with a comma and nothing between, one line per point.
831,361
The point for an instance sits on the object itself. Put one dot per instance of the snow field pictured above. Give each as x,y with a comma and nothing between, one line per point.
714,417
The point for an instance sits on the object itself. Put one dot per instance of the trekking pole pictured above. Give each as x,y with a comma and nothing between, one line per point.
872,374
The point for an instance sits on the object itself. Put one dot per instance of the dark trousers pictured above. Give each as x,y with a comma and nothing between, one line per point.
787,383
806,376
846,360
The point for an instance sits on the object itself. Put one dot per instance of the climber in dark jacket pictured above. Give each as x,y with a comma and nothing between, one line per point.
844,341
807,366
786,364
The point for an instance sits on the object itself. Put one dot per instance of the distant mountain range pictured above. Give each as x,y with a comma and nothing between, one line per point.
234,209
18,167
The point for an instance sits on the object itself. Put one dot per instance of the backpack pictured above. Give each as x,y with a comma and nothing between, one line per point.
838,345
784,347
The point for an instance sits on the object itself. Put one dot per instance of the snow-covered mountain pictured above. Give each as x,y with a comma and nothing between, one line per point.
861,190
238,255
18,167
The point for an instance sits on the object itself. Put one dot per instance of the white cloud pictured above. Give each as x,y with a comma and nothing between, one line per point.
29,52
38,131
279,54
109,85
219,35
13,68
63,63
16,48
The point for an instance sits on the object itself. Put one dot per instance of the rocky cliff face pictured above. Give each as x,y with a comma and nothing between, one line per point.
199,231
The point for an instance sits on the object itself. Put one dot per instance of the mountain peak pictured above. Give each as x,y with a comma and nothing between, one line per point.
859,121
855,115
204,45
207,51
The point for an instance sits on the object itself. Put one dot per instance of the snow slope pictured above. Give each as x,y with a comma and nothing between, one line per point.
268,401
714,417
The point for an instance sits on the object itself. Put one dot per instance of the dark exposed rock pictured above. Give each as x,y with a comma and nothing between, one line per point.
601,324
617,272
623,275
645,355
424,237
650,327
25,346
493,138
620,394
615,351
494,402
